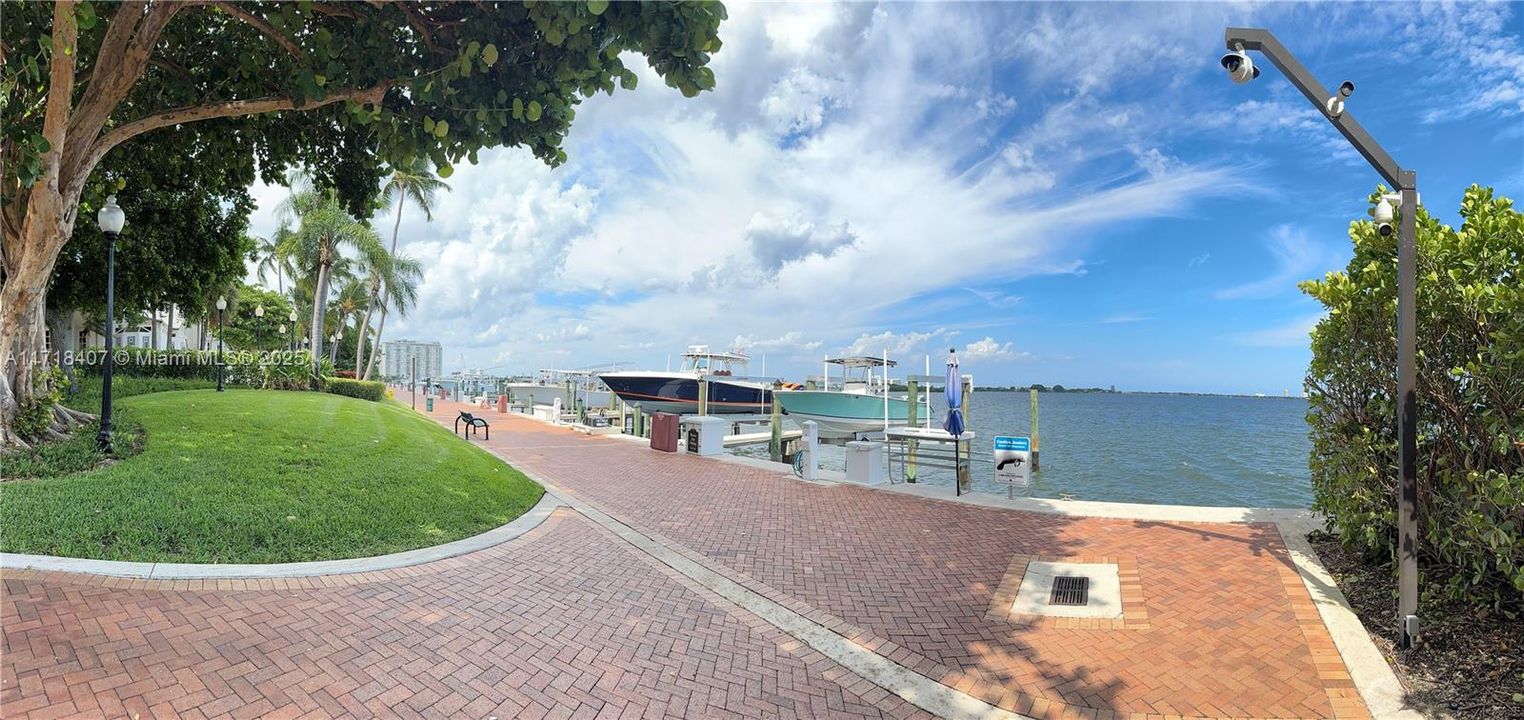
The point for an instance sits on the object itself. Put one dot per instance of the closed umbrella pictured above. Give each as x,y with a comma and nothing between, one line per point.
953,389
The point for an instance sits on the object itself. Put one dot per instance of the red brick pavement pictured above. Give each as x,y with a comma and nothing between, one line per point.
566,621
1226,628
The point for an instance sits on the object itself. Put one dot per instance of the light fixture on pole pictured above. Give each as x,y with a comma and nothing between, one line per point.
1241,69
222,304
111,219
292,318
259,321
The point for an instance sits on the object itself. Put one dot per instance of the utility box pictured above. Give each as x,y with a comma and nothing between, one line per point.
865,462
664,431
428,403
704,435
502,403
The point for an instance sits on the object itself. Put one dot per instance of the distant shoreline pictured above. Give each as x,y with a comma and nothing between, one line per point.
1181,393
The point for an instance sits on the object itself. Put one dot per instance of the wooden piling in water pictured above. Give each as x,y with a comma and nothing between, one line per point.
1034,429
912,416
775,445
703,397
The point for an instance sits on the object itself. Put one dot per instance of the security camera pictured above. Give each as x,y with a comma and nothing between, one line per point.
1239,66
1385,213
1335,105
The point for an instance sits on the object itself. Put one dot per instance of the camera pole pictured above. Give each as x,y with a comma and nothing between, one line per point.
1406,183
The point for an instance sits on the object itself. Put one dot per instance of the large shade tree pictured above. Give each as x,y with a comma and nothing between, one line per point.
338,86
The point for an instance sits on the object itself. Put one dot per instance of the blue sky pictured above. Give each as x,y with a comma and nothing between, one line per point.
1067,193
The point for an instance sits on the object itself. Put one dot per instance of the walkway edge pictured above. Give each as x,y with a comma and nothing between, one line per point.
530,520
915,688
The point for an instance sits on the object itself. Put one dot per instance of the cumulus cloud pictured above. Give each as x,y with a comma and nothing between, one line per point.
991,349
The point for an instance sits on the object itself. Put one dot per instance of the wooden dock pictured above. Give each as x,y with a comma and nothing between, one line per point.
761,438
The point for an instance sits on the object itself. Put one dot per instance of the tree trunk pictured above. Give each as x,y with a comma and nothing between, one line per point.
169,329
376,343
360,335
153,329
319,300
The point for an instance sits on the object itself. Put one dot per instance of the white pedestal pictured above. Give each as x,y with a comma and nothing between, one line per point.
865,462
711,435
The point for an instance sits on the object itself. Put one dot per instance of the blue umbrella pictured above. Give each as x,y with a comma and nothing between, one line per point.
953,389
954,392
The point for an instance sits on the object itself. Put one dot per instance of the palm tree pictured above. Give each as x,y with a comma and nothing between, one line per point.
274,254
346,307
400,291
417,182
324,232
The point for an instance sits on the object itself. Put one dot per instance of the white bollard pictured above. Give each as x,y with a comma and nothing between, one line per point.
811,441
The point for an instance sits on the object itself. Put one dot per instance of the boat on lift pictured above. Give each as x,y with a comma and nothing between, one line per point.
677,391
550,385
862,405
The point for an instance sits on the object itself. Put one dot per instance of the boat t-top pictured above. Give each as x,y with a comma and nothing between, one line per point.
862,404
677,391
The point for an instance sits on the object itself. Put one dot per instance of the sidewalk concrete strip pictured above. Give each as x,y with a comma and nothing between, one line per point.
215,571
919,690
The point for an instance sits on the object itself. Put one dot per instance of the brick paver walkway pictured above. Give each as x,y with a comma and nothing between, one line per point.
563,622
570,621
1230,631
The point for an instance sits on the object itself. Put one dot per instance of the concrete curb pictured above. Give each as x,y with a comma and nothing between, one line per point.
214,571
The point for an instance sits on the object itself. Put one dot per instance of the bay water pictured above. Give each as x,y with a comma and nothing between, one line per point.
1142,448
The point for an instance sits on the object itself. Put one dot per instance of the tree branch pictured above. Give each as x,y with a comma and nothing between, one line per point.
260,24
125,60
232,108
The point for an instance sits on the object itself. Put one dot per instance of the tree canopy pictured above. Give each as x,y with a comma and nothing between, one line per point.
342,88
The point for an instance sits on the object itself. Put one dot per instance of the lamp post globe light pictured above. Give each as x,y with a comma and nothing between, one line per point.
111,219
259,321
1240,67
292,318
222,304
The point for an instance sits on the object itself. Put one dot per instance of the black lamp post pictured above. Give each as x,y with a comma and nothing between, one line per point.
283,337
259,321
222,304
111,219
292,318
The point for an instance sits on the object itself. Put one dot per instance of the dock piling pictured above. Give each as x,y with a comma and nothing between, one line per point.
1034,430
912,416
775,446
703,404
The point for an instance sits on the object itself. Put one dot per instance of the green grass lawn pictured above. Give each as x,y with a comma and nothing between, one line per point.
260,476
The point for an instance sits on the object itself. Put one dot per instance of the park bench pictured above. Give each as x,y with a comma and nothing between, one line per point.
472,422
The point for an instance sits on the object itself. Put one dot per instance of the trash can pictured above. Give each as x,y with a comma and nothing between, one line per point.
664,432
865,462
502,403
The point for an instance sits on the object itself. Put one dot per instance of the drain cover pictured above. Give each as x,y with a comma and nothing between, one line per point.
1070,590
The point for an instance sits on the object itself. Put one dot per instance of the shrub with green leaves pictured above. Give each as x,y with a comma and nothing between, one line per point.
1470,388
364,389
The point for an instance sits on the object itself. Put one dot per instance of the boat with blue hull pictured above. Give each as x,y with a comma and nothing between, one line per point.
678,391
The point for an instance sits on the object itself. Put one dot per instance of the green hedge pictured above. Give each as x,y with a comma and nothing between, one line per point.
363,389
1470,399
270,370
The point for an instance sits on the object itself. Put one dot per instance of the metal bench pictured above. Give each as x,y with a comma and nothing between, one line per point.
473,422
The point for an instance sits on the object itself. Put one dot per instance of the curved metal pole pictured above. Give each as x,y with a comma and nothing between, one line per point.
1406,183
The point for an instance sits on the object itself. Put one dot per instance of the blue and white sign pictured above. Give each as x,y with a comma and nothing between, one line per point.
1013,462
1013,443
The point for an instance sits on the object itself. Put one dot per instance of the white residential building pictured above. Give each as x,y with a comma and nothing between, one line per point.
397,359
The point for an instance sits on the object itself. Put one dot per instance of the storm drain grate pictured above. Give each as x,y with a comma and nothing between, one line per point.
1068,590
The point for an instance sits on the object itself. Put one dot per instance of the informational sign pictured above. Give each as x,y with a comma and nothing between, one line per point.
1013,461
